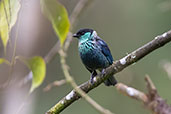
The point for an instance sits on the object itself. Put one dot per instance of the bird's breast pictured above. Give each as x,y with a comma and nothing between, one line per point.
92,57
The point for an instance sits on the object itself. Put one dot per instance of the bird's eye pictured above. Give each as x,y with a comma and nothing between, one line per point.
82,33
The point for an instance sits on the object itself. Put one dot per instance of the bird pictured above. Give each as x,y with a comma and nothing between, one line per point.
94,53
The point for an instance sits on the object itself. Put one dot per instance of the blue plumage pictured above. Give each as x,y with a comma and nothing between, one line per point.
94,53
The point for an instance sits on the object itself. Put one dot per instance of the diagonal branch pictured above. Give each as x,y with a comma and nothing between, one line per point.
116,67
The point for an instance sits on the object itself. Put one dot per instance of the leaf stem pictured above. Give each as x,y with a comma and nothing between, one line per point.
15,45
6,15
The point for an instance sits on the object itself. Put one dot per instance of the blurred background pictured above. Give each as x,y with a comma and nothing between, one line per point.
124,25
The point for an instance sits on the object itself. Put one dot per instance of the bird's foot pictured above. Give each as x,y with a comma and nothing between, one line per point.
91,79
93,75
103,72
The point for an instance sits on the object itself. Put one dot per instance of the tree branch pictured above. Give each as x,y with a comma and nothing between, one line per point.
116,67
151,100
56,83
132,92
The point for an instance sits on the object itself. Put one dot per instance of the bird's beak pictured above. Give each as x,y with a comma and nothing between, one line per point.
75,35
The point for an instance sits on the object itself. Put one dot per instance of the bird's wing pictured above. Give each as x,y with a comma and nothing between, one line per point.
105,49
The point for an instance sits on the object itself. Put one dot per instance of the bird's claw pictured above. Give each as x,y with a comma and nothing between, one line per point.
103,71
93,75
91,79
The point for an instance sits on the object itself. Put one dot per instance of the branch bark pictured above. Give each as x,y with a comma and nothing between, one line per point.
116,67
151,100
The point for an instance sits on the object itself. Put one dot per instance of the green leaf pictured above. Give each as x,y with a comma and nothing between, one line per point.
58,16
38,67
4,61
8,17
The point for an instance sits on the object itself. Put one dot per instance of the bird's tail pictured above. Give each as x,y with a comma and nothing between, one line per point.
111,81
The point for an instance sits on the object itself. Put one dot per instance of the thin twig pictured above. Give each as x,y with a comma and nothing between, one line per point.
73,17
131,92
77,11
116,67
55,83
150,86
